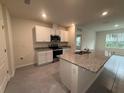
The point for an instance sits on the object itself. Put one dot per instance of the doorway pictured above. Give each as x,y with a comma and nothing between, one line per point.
78,42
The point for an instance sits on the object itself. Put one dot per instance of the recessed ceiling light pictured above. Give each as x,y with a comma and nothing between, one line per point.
44,15
116,25
72,24
105,13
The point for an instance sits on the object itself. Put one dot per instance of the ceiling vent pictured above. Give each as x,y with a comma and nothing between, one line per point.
27,2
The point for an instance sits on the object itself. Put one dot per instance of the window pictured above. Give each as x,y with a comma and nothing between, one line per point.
78,42
115,40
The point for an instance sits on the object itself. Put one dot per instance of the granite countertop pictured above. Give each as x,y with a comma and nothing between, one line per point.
47,48
42,48
93,61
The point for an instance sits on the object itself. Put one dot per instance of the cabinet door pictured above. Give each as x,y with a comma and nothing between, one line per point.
64,36
66,73
49,56
52,32
58,32
42,34
41,58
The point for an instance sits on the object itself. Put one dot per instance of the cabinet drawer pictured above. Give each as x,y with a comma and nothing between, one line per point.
44,57
41,60
41,57
49,56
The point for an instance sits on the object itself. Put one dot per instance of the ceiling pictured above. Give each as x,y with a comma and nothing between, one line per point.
85,13
105,25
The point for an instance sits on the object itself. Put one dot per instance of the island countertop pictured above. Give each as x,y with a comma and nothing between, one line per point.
93,61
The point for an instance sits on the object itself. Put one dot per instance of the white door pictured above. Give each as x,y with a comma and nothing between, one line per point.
3,57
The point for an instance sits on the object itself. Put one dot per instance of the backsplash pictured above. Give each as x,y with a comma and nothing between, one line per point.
46,44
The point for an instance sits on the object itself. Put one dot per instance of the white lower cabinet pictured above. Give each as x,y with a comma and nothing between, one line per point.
49,56
44,57
75,78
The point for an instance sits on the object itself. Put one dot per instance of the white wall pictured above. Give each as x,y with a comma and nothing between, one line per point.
72,37
23,40
88,38
100,41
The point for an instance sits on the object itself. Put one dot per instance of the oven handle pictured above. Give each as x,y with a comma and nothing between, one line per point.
57,49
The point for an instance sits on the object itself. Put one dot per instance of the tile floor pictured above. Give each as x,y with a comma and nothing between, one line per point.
118,84
45,79
32,79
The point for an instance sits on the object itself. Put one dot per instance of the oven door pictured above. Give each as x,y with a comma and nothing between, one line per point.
57,52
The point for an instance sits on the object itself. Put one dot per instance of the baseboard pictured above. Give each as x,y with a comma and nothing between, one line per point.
12,75
23,65
4,84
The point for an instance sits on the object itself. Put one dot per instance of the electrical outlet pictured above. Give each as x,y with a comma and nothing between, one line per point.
21,58
5,50
2,27
7,72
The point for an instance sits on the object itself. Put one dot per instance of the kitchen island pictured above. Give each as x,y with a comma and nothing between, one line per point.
78,72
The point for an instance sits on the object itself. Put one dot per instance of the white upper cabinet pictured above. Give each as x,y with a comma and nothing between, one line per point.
58,32
55,32
52,31
42,34
64,36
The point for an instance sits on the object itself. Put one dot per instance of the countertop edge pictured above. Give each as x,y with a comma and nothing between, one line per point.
84,67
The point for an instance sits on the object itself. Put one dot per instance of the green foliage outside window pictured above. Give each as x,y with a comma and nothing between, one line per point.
115,40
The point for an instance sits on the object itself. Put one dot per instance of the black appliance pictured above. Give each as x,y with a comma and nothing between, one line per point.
55,38
57,52
54,45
